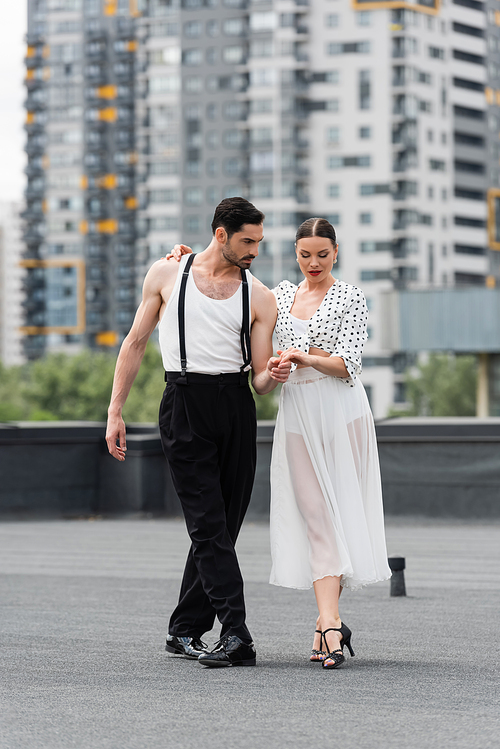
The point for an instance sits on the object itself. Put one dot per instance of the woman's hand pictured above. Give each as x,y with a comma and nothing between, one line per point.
178,251
277,369
295,356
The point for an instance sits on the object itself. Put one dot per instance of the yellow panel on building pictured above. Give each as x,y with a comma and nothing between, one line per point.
107,181
107,92
432,7
131,203
110,7
107,338
109,114
107,226
494,218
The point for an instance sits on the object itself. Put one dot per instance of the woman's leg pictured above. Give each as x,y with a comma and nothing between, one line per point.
327,592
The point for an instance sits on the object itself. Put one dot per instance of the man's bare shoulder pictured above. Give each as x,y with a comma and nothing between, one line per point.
162,272
262,293
263,299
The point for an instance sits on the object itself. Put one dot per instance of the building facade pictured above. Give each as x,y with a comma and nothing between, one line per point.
381,116
11,284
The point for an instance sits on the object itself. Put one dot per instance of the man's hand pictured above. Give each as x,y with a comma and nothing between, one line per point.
279,370
116,431
178,251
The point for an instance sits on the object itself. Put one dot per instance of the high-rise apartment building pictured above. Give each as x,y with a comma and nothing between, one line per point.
381,116
80,197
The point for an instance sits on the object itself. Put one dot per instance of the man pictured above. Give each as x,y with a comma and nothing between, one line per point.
206,306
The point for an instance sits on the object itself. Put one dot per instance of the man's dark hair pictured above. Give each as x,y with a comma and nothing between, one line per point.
232,213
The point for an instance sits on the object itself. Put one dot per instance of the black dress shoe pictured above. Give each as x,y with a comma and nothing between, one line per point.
230,651
188,647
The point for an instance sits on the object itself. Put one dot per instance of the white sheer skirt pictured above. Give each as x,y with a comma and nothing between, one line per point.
326,496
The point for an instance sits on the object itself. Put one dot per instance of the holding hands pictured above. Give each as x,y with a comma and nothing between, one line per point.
278,369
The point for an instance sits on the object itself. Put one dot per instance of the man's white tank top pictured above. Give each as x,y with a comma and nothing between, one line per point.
213,328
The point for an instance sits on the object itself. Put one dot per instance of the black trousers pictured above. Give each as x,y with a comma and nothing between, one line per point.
208,433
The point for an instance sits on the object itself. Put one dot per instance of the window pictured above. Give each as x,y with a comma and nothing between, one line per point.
212,28
468,139
371,189
263,21
234,110
193,28
212,167
469,113
469,279
332,20
164,167
333,191
233,55
261,135
261,48
212,55
193,84
375,247
472,167
192,57
375,275
437,165
164,84
163,196
192,224
233,26
261,106
468,194
337,162
213,195
262,77
193,196
364,18
262,161
468,249
261,189
462,28
365,132
436,53
339,48
364,89
458,54
365,218
468,84
473,223
333,135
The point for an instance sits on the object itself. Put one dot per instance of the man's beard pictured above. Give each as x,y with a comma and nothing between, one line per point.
232,258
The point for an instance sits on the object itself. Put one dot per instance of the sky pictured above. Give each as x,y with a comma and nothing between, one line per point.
12,95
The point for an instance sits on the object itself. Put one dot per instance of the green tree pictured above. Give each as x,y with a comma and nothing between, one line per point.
445,385
78,388
13,406
267,405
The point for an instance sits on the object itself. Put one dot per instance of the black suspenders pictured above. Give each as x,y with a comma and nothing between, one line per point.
182,318
246,351
245,327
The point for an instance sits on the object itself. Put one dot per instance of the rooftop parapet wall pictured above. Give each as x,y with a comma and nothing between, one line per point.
431,467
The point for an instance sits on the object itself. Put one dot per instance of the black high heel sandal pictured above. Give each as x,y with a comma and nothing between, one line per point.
337,656
317,655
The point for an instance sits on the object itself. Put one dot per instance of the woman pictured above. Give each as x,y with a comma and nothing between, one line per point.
327,526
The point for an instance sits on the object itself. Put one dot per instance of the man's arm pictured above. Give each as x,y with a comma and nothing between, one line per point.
131,354
267,370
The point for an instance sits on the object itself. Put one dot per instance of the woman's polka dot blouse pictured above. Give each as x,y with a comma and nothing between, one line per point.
338,326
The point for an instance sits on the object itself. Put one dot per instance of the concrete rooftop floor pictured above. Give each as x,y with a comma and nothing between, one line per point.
84,607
